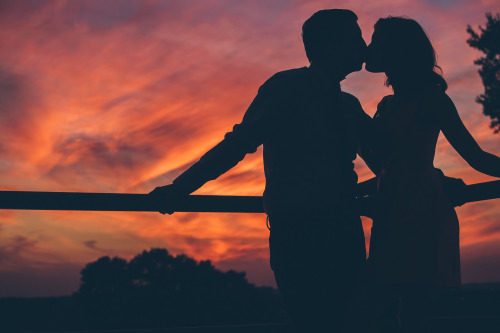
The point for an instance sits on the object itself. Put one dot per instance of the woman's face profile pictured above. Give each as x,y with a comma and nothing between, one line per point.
376,54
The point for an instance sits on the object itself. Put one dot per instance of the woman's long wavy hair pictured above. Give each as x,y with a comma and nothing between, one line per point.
410,50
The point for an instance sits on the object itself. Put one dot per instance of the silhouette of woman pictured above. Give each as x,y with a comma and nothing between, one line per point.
414,247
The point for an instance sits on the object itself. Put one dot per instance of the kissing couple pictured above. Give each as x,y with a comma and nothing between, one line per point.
311,132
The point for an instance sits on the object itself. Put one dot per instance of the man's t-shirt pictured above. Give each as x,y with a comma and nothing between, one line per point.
310,131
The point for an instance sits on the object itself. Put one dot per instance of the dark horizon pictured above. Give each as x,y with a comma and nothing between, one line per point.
148,303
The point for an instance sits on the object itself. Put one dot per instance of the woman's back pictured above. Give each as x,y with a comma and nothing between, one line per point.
406,133
415,231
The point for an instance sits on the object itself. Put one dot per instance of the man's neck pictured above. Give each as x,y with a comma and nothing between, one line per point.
331,72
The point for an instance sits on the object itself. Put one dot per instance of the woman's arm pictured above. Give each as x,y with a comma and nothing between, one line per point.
461,140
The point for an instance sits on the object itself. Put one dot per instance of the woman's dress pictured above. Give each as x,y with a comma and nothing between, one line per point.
415,233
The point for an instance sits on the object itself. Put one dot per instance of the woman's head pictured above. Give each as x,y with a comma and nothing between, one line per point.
401,49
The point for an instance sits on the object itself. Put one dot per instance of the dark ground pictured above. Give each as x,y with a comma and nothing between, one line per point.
476,308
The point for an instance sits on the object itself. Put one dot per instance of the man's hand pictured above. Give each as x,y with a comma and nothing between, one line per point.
166,197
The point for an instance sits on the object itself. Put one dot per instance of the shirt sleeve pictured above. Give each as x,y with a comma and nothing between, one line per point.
257,125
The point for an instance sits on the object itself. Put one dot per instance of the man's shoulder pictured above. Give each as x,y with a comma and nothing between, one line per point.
383,102
286,78
290,73
350,99
353,106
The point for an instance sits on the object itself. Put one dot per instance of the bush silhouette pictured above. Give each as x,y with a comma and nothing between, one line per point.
156,289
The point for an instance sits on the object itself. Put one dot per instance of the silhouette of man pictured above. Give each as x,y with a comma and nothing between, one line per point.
311,132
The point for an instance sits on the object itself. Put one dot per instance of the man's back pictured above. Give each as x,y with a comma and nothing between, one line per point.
309,130
309,151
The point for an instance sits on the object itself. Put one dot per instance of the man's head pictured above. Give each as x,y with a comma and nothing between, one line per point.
333,40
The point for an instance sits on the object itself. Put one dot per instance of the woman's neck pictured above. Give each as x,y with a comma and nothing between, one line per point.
406,83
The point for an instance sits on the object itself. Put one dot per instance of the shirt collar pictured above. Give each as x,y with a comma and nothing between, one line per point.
326,81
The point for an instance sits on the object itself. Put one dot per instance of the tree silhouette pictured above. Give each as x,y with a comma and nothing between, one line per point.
156,289
105,277
488,42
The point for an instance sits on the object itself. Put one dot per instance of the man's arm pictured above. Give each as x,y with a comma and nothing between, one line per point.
367,153
366,135
257,125
365,144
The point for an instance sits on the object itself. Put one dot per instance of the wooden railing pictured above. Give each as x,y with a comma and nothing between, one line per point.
193,203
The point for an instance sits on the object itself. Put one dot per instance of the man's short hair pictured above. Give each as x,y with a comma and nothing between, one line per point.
322,27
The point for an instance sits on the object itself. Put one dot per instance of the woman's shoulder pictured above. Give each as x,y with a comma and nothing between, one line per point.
435,104
436,99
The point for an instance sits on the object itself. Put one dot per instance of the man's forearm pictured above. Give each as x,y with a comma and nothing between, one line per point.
214,163
190,180
244,139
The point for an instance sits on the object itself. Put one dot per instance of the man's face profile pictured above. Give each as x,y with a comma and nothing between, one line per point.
346,49
352,48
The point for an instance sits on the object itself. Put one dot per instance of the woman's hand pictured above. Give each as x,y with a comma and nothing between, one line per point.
454,188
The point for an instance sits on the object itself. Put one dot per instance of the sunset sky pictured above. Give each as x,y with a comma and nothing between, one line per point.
122,96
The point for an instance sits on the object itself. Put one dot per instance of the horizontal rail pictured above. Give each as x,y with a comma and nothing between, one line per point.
126,202
193,203
482,191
